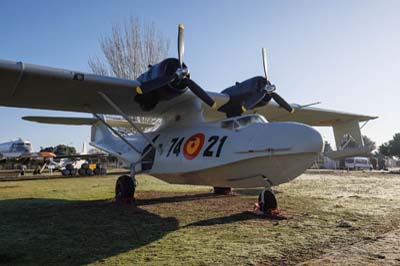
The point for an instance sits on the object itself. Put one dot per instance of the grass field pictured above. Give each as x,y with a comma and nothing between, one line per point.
73,221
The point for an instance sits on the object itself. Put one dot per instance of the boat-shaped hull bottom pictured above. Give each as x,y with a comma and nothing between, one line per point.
248,173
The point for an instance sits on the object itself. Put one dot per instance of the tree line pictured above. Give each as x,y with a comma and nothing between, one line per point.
392,147
60,149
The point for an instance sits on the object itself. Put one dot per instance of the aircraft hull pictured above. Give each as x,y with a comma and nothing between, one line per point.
246,173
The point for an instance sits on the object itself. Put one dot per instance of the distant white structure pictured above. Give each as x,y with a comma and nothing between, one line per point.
357,163
329,163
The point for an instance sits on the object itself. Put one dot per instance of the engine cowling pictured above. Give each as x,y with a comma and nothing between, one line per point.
245,95
166,68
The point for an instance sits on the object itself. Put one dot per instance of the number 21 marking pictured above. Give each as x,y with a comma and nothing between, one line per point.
213,140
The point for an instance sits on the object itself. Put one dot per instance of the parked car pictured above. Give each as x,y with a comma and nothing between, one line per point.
358,163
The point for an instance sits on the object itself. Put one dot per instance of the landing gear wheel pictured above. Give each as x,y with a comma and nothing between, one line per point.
89,171
65,172
81,171
268,203
125,189
73,172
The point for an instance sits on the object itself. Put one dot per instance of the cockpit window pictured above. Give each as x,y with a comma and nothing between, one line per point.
241,122
19,147
227,124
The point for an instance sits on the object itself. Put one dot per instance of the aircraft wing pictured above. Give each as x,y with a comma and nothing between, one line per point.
309,115
89,121
82,156
32,86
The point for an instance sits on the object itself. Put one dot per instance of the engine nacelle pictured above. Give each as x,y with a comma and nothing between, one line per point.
165,68
250,92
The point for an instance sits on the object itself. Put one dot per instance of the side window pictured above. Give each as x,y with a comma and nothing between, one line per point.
244,121
227,124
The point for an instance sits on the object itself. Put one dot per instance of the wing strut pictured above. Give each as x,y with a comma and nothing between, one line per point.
118,110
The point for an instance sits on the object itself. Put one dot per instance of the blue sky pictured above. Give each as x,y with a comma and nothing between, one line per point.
345,54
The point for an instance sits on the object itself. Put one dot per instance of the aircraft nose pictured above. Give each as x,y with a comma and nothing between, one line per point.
310,140
296,137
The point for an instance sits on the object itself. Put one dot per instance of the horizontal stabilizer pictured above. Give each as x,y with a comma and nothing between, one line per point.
79,121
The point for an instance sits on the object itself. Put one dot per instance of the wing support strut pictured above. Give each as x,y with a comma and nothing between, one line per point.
116,133
118,110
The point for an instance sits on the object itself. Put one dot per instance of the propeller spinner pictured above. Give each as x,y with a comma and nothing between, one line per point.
180,76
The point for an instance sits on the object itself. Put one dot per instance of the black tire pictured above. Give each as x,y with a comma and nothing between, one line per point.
73,171
96,171
69,167
89,171
222,190
81,171
124,189
65,172
269,201
85,166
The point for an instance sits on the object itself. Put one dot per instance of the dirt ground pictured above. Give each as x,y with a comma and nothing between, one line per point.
331,218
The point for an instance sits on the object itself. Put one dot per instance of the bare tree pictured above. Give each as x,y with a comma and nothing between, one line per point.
128,51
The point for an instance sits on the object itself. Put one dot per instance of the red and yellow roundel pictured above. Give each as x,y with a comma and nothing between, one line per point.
193,146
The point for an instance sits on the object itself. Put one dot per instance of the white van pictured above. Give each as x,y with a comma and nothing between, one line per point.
357,163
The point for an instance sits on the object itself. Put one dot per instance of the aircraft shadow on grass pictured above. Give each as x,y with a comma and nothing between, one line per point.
182,198
237,217
61,232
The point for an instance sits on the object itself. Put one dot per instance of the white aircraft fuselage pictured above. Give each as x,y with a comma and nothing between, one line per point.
15,149
240,152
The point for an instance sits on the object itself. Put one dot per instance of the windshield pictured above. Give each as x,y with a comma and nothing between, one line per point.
20,147
241,122
247,120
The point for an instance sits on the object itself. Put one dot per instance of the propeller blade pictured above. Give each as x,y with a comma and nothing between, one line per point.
254,100
267,98
199,92
181,44
264,56
154,84
282,103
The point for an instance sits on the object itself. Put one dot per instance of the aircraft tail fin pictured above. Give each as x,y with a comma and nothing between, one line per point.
100,133
345,133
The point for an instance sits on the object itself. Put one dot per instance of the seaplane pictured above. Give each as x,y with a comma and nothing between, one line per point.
246,136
